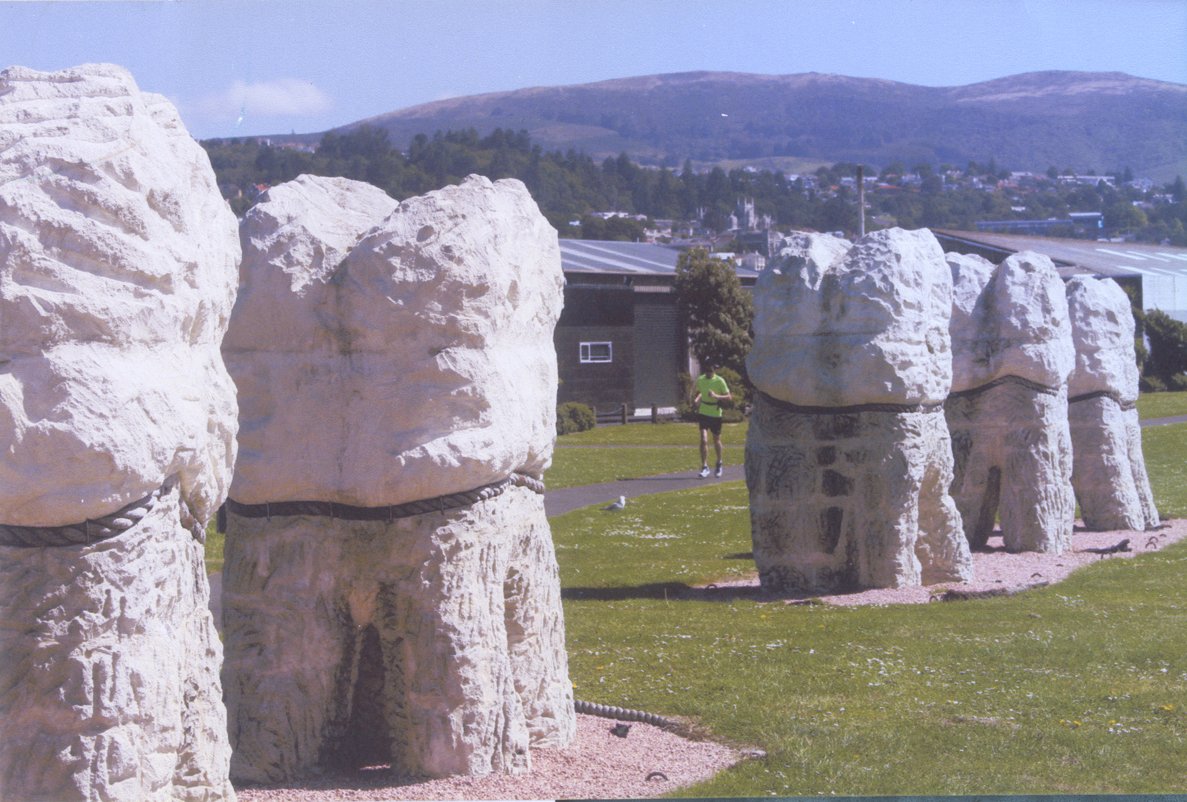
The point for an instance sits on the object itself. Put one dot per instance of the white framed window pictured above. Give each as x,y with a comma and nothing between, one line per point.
597,352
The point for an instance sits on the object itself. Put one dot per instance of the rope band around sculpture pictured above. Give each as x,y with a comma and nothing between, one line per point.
787,406
1027,383
1126,406
92,530
620,713
349,512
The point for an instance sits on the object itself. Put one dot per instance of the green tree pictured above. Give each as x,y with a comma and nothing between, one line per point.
1123,216
1168,345
718,312
1177,190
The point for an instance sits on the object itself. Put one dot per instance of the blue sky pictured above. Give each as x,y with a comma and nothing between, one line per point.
245,67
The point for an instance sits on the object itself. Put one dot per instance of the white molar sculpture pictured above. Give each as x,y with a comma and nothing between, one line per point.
391,592
118,270
848,460
1108,469
1007,413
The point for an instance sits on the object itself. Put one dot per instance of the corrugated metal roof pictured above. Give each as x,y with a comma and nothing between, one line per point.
1092,256
623,258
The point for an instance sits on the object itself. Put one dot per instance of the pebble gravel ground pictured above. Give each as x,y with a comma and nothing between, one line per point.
648,762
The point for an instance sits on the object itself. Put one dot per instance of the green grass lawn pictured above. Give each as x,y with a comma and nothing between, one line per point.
1165,450
651,434
1079,688
1162,405
608,453
215,543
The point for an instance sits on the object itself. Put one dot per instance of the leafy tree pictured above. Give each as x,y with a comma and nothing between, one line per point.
1177,190
718,312
1124,216
1168,345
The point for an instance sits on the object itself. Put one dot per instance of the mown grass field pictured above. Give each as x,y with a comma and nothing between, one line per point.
609,453
1080,688
1162,405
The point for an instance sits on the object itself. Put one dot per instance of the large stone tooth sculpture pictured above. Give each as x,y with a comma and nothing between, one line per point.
848,460
118,268
1108,469
1011,356
391,593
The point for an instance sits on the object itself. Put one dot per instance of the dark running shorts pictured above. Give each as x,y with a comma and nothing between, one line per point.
709,422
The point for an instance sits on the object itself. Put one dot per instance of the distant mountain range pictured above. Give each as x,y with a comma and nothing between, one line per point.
1086,121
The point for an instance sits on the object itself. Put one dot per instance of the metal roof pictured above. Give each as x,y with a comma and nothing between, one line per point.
1086,256
623,258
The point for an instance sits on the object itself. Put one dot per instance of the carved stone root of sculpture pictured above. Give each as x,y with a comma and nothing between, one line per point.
432,643
1012,457
852,499
113,682
1107,452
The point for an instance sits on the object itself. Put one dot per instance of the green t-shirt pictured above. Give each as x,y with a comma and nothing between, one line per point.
710,406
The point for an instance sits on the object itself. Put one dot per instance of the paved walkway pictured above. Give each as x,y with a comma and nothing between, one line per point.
562,500
1165,421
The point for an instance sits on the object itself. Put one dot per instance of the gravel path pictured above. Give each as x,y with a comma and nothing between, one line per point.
996,570
601,765
597,765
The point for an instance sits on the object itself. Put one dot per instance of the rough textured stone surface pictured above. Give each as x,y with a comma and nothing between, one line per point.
1108,469
406,652
110,664
848,460
465,280
864,325
425,367
117,273
118,266
1009,320
1012,353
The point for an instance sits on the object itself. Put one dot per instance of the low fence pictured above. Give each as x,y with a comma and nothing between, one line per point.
621,413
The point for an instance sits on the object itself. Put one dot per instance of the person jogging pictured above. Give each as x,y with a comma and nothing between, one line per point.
711,391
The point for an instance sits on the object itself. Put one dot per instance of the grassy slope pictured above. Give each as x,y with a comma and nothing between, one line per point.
1162,405
1079,688
638,449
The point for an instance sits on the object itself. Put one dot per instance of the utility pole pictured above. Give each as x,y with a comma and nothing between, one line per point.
861,202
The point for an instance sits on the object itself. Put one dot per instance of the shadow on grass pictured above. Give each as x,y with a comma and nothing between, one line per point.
678,591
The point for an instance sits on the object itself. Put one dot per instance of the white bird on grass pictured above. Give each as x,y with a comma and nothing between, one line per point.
618,505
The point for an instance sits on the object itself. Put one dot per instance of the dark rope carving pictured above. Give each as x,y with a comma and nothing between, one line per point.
621,713
91,530
787,406
1027,383
349,512
1125,406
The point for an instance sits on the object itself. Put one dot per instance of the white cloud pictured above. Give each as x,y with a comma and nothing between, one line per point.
285,97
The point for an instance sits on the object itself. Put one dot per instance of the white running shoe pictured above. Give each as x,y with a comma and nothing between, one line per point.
704,471
718,472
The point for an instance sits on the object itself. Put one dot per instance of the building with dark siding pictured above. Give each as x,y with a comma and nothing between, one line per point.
619,339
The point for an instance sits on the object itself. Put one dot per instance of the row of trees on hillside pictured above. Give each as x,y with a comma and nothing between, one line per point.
570,186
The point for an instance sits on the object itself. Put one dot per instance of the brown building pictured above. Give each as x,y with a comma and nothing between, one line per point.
619,339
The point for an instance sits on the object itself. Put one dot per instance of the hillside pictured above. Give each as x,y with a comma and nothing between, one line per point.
1088,121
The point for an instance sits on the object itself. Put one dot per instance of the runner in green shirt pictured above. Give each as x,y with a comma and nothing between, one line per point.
711,391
